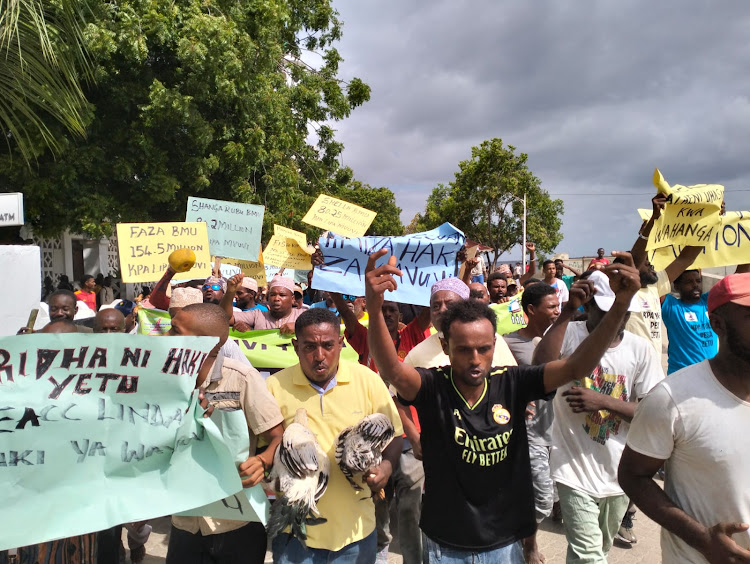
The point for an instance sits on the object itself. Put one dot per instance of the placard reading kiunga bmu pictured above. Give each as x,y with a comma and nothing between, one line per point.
424,258
234,229
86,424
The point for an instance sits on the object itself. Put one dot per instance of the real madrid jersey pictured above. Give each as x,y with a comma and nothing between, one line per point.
478,490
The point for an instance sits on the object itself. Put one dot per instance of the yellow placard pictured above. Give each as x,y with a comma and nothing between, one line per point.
645,213
690,215
339,216
285,252
298,236
251,269
145,247
729,245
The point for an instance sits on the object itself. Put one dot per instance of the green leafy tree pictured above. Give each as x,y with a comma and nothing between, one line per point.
381,200
207,98
42,59
485,201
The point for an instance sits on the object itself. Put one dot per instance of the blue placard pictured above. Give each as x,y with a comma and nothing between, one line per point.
424,258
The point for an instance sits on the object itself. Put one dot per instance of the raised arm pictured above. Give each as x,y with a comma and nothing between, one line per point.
469,263
575,271
347,315
550,346
403,377
639,247
228,299
424,318
625,282
532,263
158,296
682,263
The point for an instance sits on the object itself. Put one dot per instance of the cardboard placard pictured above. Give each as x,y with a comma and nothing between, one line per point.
339,216
145,247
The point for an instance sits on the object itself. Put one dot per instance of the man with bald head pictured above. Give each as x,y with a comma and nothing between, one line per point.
183,297
60,325
230,386
281,312
429,353
109,320
477,291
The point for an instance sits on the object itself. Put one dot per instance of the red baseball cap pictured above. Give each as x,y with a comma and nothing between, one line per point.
734,288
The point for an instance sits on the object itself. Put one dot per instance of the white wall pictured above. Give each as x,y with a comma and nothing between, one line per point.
19,262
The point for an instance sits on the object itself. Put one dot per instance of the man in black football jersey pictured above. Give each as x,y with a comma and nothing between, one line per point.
478,490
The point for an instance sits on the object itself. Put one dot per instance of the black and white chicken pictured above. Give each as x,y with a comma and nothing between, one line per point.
360,447
302,469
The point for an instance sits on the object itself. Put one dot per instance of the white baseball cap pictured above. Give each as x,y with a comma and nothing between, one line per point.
604,295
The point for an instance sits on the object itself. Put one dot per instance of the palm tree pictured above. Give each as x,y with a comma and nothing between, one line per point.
42,59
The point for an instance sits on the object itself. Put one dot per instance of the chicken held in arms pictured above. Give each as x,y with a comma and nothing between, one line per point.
302,470
360,447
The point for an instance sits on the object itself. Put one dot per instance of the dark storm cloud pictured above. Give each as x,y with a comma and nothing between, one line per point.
597,93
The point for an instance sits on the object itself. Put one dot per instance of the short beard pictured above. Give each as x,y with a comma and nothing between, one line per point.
647,278
736,345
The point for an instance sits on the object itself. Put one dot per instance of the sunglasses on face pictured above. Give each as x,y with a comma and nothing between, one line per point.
348,298
214,287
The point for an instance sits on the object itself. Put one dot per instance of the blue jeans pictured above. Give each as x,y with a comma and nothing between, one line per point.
438,554
479,278
288,550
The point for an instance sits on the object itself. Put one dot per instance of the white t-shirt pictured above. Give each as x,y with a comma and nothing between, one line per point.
429,354
647,323
696,425
588,446
561,290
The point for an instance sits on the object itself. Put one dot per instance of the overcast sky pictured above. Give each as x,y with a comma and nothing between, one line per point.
597,94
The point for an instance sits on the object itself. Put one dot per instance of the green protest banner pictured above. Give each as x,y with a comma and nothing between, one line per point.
153,322
510,316
98,430
269,351
250,504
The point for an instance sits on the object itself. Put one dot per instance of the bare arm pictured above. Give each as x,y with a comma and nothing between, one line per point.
639,247
682,262
410,429
469,264
549,347
532,264
573,270
253,470
625,282
158,295
403,377
715,543
347,315
378,477
228,299
585,400
424,318
742,268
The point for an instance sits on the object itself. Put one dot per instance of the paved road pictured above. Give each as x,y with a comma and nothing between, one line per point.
551,541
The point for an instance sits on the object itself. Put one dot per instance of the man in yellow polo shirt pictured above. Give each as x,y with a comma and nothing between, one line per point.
336,395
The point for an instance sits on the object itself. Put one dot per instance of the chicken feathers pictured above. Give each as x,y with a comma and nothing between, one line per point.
360,447
302,469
